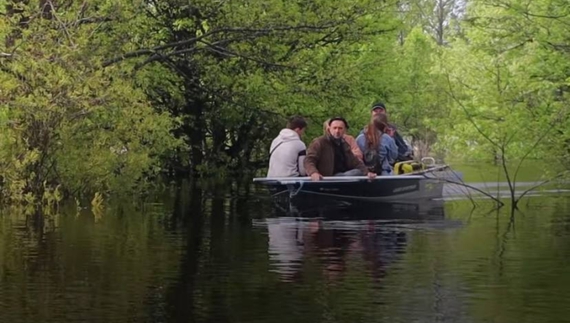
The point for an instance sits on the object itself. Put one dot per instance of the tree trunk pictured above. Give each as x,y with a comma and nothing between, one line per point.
194,129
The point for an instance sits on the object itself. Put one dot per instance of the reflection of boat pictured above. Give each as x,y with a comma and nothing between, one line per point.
285,245
330,208
375,232
426,184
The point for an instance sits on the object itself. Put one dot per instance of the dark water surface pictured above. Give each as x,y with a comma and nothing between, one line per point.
191,258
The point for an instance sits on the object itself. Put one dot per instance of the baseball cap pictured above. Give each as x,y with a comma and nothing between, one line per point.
378,105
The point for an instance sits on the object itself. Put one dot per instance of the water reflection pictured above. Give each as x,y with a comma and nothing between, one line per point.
200,257
75,267
187,214
375,233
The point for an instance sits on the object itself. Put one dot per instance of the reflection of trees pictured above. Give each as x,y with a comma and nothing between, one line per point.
181,294
210,264
71,267
497,269
561,221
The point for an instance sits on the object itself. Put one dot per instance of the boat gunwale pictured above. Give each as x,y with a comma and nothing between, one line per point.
421,175
338,179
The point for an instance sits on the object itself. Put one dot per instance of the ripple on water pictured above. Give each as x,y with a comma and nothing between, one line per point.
409,265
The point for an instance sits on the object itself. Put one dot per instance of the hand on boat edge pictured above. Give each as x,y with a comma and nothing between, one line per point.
316,177
371,175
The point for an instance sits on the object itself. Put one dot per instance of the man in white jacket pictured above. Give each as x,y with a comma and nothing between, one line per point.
287,151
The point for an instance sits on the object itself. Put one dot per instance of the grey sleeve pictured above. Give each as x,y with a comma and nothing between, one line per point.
301,161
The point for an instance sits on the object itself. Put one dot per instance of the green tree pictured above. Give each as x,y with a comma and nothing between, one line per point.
241,67
508,103
68,127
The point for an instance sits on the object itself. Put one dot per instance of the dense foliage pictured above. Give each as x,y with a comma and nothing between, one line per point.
102,95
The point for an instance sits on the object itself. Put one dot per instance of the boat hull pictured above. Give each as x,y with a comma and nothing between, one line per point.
392,189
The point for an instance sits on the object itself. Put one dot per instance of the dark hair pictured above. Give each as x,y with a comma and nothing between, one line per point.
339,119
296,122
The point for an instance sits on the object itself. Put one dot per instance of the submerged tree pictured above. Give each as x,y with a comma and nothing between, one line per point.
236,69
68,127
508,84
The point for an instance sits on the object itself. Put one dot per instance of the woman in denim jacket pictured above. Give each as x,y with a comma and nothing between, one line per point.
377,146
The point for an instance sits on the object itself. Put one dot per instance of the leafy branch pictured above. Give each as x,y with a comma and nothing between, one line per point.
248,31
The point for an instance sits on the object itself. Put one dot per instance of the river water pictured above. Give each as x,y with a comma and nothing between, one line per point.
193,257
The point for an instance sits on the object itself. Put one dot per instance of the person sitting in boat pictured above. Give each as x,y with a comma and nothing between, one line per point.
330,155
350,140
404,151
287,151
378,146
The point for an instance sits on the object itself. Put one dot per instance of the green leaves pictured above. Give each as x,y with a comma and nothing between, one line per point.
95,95
233,71
504,80
68,127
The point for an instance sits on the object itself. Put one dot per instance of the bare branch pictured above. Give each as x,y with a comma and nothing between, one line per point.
496,199
257,33
66,32
91,20
82,10
559,175
215,47
544,134
79,114
134,54
562,47
506,170
469,117
225,51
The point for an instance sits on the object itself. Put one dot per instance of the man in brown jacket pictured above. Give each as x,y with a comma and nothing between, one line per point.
330,155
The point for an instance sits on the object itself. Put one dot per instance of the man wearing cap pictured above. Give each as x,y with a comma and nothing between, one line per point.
330,155
404,152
